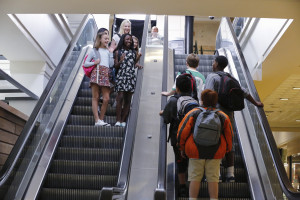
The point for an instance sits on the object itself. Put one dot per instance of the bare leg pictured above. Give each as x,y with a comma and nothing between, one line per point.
194,189
105,94
213,190
126,108
95,100
119,100
181,178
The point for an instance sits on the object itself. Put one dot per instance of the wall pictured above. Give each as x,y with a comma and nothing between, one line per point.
205,34
12,122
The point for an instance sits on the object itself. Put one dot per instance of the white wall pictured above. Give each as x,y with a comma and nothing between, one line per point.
30,74
47,33
258,39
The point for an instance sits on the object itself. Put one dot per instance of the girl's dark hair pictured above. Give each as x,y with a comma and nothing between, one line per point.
121,42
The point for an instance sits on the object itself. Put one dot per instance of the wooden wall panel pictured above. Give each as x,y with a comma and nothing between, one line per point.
12,122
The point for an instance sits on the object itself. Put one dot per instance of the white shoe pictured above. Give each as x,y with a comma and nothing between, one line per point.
101,123
123,124
118,124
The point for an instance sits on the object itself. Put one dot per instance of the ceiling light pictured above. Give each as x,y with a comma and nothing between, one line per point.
297,120
296,88
284,99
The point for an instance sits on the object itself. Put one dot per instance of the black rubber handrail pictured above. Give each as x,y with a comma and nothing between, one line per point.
286,186
124,174
32,121
160,191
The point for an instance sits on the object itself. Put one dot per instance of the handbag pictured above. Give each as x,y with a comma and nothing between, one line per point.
88,70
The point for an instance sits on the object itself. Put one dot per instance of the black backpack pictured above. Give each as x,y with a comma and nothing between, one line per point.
194,93
230,93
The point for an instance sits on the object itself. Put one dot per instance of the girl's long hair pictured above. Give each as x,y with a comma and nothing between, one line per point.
138,46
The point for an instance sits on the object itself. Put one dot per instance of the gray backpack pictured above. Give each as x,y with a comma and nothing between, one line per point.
208,127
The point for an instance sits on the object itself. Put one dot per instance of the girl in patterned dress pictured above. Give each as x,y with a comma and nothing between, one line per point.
100,76
125,58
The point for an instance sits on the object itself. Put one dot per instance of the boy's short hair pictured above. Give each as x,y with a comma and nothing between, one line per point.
183,83
222,62
192,60
209,98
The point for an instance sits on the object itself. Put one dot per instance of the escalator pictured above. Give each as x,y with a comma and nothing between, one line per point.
87,157
60,154
240,188
259,171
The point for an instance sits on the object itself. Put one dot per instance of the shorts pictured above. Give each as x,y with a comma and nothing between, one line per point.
197,167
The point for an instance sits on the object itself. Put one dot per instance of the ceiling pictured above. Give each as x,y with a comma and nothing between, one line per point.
280,71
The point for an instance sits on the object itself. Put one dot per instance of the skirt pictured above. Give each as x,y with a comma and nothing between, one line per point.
103,77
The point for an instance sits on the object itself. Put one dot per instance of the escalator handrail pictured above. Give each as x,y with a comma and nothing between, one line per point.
24,136
124,174
286,186
160,191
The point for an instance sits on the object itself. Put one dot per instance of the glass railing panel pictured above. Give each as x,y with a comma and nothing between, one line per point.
225,40
45,119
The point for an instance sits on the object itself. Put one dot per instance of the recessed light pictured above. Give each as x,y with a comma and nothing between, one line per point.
296,88
284,99
297,120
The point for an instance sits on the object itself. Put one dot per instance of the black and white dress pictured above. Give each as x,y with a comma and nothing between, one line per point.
126,78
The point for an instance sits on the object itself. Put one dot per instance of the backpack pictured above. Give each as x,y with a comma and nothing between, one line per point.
194,93
184,105
208,127
88,70
230,93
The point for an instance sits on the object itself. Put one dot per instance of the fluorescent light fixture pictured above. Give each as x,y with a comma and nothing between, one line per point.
297,120
296,88
284,99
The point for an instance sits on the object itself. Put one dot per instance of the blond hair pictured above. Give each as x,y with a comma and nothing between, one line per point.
121,31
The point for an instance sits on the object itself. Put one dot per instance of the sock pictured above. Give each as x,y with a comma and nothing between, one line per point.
213,199
193,198
230,171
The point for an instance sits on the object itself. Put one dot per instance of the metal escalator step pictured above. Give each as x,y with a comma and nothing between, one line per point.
79,181
239,173
92,142
88,120
88,154
227,190
87,110
84,167
103,131
68,194
87,101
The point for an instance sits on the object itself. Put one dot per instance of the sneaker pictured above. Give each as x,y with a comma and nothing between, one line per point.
101,123
123,124
230,179
118,124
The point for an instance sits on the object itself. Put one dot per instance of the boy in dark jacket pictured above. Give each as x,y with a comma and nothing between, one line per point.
170,115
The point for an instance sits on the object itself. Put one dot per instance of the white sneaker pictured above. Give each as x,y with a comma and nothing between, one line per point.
101,123
123,124
118,124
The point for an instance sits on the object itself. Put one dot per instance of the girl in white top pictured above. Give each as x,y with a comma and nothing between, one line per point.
100,76
125,27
